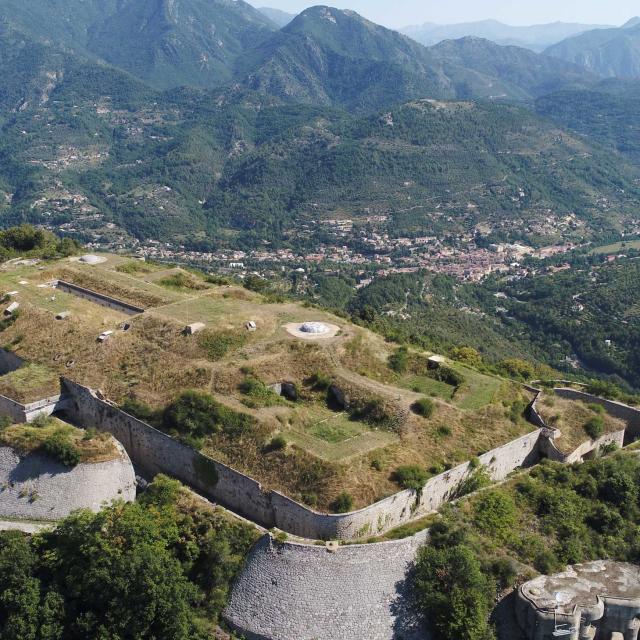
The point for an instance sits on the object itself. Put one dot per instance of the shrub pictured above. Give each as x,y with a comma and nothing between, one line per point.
181,280
453,593
444,431
505,572
476,480
197,414
448,375
278,443
597,408
320,381
61,448
399,361
411,477
594,427
343,503
41,421
467,355
141,410
495,514
258,392
518,369
424,407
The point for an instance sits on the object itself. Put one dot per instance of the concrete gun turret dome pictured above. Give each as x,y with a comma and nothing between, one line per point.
314,327
92,259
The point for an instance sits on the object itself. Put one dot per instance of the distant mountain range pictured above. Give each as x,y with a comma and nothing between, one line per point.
332,57
323,56
278,17
607,52
162,42
536,37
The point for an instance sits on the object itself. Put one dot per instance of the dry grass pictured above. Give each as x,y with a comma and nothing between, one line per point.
99,447
29,383
328,454
570,416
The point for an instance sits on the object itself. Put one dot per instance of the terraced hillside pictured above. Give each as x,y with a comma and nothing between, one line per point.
325,419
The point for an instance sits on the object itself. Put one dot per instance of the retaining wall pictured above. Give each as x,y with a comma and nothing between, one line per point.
290,591
36,487
155,452
616,409
99,298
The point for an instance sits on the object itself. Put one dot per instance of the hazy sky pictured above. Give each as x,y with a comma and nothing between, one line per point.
399,13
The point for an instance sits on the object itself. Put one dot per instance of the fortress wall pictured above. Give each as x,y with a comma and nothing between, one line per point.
296,592
155,452
617,437
99,298
36,487
13,410
616,409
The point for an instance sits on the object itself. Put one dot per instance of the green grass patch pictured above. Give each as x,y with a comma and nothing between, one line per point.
29,383
616,247
429,387
59,440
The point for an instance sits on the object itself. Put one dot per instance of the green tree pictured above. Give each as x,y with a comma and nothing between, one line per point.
453,593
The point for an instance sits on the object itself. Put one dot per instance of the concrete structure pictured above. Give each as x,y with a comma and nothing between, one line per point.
290,591
63,315
192,329
312,330
36,487
436,362
91,259
594,601
99,298
11,309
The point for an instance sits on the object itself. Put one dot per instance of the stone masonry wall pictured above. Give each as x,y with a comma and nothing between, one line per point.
36,487
616,409
155,452
99,298
290,591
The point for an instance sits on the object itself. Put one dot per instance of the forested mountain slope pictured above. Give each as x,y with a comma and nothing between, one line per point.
332,57
607,52
164,43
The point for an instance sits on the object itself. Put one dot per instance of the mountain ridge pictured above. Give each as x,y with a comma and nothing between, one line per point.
607,52
534,37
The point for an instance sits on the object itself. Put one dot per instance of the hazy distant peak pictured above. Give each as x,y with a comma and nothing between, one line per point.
534,37
634,22
278,17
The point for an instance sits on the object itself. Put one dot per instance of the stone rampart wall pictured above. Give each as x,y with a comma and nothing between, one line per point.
296,592
99,298
155,452
616,409
36,487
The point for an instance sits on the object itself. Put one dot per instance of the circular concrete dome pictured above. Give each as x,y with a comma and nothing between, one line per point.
91,259
314,327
